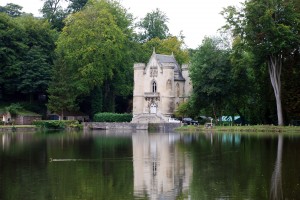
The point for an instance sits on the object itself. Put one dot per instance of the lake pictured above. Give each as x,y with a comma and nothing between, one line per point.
142,165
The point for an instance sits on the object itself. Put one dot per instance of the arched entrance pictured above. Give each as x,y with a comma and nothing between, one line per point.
153,108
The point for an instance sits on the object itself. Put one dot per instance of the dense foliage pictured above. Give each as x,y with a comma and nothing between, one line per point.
57,124
112,117
26,54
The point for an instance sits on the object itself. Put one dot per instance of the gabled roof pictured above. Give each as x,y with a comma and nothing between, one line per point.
167,59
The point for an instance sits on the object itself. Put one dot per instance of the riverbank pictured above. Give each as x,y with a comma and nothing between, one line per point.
254,128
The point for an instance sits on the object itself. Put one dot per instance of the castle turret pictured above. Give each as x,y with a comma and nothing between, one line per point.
138,92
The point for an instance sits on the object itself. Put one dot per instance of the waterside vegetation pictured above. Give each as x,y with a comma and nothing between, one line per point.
248,129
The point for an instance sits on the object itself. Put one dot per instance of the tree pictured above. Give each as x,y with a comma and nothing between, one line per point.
95,46
76,5
165,46
12,9
271,30
36,65
154,25
54,13
26,53
210,74
12,48
62,92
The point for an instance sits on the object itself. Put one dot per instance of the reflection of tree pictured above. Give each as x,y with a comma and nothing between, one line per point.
276,181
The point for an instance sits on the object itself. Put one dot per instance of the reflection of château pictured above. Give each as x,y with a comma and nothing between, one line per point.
160,170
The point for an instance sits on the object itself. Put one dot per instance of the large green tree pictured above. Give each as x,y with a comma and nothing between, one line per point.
26,53
154,25
270,28
95,46
210,74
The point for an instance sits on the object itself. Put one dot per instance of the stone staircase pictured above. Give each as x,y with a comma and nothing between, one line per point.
148,118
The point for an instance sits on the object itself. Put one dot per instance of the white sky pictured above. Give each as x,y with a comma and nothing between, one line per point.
195,18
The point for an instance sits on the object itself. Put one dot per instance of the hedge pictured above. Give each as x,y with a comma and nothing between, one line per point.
57,124
112,117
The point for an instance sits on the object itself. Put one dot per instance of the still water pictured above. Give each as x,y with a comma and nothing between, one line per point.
142,165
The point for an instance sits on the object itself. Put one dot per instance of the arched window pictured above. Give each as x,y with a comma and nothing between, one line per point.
154,87
169,84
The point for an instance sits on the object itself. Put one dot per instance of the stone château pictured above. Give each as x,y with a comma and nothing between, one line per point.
159,87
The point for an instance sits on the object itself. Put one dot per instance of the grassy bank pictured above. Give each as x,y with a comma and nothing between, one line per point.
255,128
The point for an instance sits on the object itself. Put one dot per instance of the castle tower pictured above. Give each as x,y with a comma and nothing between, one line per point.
138,92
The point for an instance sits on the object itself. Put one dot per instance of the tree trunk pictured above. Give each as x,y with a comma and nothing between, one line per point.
275,66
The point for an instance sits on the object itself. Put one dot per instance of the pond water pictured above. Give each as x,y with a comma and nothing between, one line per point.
142,165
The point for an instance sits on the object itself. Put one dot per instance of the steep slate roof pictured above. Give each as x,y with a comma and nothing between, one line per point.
170,59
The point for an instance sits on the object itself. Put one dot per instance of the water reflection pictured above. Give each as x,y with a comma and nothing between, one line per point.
142,165
276,181
161,171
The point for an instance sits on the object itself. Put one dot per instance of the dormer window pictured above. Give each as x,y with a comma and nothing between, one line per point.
154,87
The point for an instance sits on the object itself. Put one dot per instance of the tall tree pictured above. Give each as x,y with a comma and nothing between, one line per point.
210,74
26,53
54,13
154,25
271,30
95,45
12,48
62,92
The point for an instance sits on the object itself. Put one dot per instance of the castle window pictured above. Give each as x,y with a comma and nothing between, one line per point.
154,87
169,84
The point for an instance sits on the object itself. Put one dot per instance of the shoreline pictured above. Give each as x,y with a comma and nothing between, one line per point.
252,128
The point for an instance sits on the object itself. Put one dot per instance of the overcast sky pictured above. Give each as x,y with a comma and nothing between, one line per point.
195,18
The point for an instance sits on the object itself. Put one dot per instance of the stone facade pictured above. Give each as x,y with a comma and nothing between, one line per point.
159,87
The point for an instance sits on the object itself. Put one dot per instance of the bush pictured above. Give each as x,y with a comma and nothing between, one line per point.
112,117
13,109
57,124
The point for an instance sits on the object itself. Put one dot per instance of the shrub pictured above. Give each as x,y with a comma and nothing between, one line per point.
13,109
112,117
57,124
